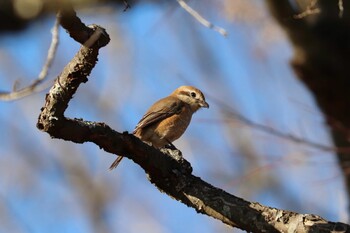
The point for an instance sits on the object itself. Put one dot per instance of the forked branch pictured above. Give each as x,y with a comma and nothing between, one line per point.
166,169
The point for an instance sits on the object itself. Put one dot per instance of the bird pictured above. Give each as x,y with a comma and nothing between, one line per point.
168,118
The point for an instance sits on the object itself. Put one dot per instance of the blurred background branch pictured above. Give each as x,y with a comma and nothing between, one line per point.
37,85
321,62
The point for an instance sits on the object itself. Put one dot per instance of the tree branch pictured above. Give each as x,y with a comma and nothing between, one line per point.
201,19
38,84
234,115
166,169
310,10
284,13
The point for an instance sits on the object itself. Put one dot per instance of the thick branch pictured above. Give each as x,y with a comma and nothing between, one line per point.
166,169
176,180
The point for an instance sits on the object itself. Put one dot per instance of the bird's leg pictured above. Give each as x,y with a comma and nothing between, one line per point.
172,150
170,146
176,154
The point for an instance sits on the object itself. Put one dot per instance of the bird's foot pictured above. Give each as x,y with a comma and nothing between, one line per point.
170,146
173,152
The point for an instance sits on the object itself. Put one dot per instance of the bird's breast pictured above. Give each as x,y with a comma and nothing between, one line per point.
174,126
168,129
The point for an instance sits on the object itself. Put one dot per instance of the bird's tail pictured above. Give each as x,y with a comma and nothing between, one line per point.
116,162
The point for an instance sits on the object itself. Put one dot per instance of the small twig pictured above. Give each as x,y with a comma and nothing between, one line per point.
163,171
38,84
272,131
126,4
288,136
311,9
341,8
97,32
201,19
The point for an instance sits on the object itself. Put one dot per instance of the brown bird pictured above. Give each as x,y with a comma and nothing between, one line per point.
167,119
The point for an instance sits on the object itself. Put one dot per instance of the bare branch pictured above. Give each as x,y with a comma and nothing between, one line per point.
127,5
341,8
38,84
311,9
270,130
201,19
51,52
166,168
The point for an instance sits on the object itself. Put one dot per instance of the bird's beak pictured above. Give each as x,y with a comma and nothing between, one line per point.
204,104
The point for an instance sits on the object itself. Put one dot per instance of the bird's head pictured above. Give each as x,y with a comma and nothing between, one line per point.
191,96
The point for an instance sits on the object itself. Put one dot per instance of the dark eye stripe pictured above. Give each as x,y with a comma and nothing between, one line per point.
189,93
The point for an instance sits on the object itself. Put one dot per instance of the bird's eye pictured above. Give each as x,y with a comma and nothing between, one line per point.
193,94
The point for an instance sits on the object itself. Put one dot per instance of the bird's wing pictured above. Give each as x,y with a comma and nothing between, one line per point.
160,110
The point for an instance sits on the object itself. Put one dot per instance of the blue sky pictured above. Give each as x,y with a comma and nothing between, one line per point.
153,50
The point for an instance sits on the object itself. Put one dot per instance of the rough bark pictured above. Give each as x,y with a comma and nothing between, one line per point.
166,169
321,61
